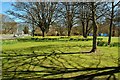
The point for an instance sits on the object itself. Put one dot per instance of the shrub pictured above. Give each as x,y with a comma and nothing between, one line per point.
103,43
70,39
100,43
99,39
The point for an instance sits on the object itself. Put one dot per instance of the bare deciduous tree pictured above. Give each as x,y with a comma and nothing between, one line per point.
40,14
85,18
93,9
111,20
69,13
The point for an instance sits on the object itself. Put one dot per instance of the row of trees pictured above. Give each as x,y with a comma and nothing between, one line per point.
69,14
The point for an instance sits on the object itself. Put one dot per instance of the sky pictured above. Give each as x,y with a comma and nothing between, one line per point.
7,5
4,6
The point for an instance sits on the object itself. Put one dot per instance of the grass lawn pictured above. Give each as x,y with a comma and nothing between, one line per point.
25,57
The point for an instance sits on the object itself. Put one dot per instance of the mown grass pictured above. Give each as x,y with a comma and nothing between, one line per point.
104,57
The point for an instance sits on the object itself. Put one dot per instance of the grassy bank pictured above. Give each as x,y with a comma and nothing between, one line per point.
47,58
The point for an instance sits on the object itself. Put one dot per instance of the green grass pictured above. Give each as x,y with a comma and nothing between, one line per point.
104,57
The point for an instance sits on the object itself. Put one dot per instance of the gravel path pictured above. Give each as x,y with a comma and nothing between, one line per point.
10,36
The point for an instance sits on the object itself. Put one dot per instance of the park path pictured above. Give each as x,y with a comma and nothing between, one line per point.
9,36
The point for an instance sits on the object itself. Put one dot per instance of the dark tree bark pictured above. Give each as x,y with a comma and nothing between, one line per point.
43,33
69,31
86,32
83,28
113,32
111,24
94,46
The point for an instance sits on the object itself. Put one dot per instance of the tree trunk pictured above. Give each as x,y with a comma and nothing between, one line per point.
33,33
83,29
113,32
69,31
86,31
85,36
111,24
43,33
94,46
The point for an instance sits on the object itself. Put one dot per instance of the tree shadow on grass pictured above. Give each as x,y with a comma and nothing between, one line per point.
53,66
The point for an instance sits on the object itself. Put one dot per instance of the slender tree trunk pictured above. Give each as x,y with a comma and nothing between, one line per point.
94,46
111,24
33,33
86,31
83,29
85,36
43,33
69,31
113,32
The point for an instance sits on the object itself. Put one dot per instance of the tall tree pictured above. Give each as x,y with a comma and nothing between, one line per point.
85,17
93,9
98,10
69,15
111,21
111,24
41,14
